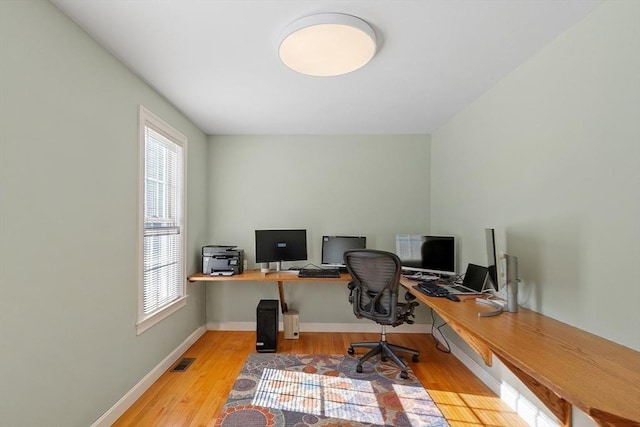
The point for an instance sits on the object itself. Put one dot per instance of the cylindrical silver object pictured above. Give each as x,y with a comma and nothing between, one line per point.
512,283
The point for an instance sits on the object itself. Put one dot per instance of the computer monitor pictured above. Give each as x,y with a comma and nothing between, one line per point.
495,262
334,247
427,254
281,245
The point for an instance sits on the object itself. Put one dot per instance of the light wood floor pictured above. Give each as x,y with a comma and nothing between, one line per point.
196,396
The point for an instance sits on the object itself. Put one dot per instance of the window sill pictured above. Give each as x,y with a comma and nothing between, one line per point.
146,323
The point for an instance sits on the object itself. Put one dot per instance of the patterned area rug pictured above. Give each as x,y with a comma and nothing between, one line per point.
319,390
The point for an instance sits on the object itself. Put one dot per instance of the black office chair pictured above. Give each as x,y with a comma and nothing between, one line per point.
374,295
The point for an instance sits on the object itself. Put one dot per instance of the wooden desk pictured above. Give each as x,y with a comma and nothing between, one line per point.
273,276
560,364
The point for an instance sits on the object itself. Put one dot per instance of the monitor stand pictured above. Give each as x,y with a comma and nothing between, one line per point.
265,267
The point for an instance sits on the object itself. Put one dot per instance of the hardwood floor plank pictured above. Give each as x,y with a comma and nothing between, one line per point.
196,396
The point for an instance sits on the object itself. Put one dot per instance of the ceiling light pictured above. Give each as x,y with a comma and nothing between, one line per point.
327,44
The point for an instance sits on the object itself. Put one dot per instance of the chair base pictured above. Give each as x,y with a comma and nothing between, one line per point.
385,350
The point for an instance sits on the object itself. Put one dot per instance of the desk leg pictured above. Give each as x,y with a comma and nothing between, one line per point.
283,304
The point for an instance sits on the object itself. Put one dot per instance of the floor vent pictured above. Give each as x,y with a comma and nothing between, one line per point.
183,364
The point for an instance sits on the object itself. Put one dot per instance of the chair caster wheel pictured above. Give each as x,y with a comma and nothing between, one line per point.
415,358
359,369
404,375
350,351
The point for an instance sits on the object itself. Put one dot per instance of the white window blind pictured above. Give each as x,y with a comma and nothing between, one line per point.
163,228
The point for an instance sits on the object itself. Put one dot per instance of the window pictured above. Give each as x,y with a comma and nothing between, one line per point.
162,288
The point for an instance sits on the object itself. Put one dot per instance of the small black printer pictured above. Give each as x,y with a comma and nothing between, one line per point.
219,260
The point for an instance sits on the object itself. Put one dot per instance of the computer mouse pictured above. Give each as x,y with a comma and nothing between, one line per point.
453,297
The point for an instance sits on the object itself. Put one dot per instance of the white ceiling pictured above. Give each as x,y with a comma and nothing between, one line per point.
217,60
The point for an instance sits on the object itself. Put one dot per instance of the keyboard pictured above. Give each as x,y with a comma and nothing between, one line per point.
319,272
429,288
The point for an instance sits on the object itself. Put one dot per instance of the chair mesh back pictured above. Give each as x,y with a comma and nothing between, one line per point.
376,275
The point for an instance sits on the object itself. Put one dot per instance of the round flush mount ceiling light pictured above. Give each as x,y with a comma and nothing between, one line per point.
327,44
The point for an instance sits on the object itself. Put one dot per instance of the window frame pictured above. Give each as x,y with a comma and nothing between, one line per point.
147,119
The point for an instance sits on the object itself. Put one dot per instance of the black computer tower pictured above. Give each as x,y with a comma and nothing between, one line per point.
267,326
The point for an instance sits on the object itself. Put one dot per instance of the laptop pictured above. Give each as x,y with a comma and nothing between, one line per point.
474,283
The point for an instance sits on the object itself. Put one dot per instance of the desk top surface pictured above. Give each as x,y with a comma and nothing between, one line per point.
588,371
272,276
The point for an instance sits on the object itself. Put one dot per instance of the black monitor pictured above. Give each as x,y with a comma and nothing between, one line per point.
427,254
281,245
334,247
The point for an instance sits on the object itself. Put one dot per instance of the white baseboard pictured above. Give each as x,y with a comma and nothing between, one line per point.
109,417
418,328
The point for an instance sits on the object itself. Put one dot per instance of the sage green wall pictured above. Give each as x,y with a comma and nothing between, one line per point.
69,223
374,186
551,155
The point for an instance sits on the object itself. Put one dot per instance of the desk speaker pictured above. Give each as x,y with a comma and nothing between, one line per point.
267,326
